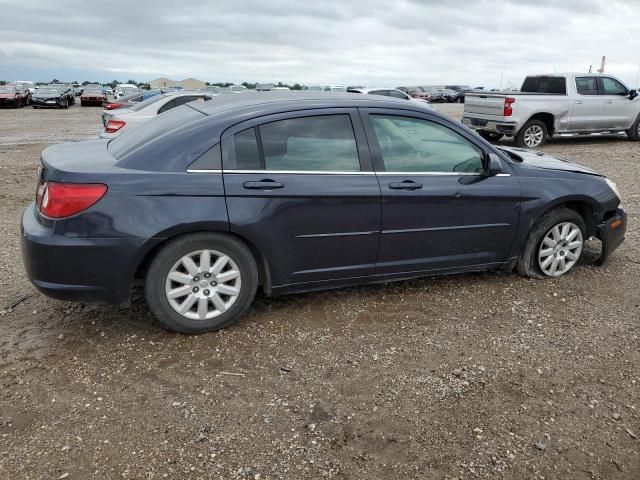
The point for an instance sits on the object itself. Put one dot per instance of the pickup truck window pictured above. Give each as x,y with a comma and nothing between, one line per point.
613,87
556,85
587,85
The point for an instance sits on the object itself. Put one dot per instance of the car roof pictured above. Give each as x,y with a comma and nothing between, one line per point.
265,103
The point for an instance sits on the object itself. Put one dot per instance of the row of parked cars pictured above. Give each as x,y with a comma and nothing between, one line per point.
20,94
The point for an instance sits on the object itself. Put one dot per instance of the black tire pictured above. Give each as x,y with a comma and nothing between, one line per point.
520,136
634,132
527,263
172,252
490,136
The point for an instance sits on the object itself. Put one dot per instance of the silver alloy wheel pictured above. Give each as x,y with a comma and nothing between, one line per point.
533,136
560,249
203,284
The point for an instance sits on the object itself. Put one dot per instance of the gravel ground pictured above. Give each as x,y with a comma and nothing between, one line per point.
470,376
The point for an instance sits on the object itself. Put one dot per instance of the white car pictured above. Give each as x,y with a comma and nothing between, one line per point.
237,89
123,89
389,92
334,88
121,119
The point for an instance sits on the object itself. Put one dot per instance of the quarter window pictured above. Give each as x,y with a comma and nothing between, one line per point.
415,145
587,85
613,87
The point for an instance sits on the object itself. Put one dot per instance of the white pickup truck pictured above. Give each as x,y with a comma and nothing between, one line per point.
552,104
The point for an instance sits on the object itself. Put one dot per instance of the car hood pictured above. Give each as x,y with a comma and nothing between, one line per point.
532,158
7,95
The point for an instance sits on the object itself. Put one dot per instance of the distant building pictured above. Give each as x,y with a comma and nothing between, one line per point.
187,83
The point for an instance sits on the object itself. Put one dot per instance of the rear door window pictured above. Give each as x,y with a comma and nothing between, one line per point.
587,85
314,143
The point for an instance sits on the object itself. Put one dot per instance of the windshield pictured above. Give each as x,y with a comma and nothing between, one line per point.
47,91
147,102
131,140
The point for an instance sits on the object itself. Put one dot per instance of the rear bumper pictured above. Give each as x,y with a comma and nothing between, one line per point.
489,124
611,234
77,269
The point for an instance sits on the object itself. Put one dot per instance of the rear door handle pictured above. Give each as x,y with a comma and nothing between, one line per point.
609,101
578,102
405,185
266,184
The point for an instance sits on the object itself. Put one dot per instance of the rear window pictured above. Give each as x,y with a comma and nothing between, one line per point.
557,85
131,140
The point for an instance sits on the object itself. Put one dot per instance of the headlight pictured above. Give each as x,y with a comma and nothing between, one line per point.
613,187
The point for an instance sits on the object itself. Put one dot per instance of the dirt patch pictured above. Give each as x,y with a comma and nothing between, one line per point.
471,376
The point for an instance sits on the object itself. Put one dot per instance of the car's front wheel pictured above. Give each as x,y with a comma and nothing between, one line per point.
532,135
554,245
201,282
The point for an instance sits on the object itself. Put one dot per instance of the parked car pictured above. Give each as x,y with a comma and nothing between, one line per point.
207,202
460,91
124,89
264,87
120,120
237,89
334,88
107,90
312,88
93,95
416,92
27,85
66,90
437,95
388,92
127,102
13,96
547,105
77,89
50,97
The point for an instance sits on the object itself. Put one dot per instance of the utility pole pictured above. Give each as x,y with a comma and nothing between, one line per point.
601,69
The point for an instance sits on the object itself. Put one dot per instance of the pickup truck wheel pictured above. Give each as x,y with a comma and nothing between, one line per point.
490,136
532,135
201,282
634,132
553,246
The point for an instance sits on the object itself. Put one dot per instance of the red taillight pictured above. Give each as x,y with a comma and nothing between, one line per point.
59,200
114,126
507,106
112,106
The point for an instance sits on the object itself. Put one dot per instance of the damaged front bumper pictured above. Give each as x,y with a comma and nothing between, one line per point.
611,234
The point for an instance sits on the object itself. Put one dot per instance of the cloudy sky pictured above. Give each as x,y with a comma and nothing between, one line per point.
367,42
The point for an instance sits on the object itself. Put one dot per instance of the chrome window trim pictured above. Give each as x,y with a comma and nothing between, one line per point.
328,172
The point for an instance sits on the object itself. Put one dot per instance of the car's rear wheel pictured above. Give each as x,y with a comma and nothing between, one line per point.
634,132
201,282
532,135
490,136
554,245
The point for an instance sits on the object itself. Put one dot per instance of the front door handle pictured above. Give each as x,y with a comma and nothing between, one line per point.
405,185
578,102
609,101
266,184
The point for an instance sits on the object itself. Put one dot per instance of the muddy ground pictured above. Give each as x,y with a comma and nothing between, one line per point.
470,376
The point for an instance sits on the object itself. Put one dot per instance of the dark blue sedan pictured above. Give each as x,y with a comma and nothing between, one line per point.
212,200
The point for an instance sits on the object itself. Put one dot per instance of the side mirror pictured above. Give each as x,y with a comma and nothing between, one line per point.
633,94
494,165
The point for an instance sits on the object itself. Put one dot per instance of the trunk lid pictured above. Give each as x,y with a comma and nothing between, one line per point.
76,162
